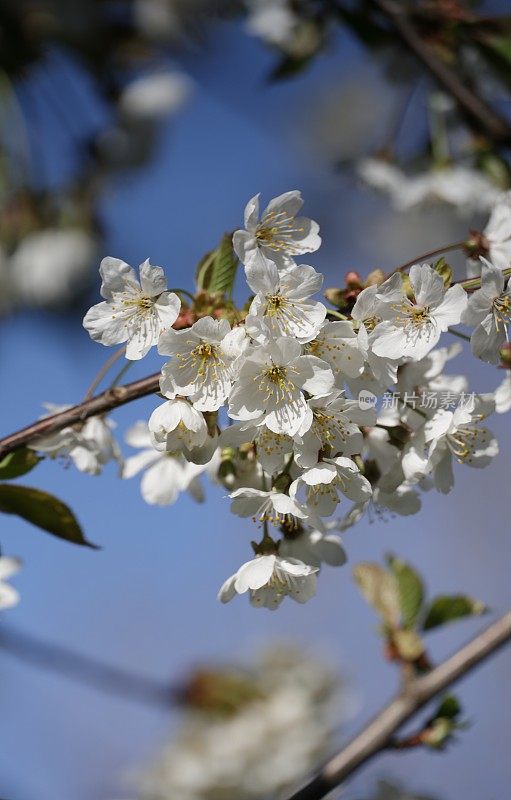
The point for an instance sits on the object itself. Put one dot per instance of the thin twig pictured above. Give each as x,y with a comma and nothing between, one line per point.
480,113
436,252
102,403
103,371
84,669
376,736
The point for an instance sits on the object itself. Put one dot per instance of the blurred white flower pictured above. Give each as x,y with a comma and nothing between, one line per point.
271,731
8,596
151,97
89,445
166,474
498,233
50,267
274,21
462,187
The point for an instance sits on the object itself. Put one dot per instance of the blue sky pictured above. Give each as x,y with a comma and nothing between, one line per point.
147,599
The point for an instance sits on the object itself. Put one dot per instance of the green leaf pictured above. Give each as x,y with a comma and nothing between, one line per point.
43,510
446,608
216,272
17,463
380,589
411,590
203,272
449,708
223,272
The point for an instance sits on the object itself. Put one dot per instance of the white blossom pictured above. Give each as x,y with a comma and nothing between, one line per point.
51,267
274,21
458,434
338,345
204,362
133,312
329,478
468,190
315,548
503,394
271,383
176,425
282,299
415,325
153,96
497,233
269,578
166,473
335,428
9,596
267,506
279,235
489,309
90,445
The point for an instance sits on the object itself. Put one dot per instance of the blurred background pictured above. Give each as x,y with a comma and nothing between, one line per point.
140,130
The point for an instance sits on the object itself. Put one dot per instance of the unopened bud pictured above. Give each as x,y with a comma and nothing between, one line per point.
353,279
336,297
505,355
375,277
445,270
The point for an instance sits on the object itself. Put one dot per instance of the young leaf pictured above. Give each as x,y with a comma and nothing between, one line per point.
446,608
223,270
203,272
449,708
17,463
43,510
381,591
409,645
411,590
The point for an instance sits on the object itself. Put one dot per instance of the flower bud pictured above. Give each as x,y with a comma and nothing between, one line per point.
505,355
375,277
353,279
336,297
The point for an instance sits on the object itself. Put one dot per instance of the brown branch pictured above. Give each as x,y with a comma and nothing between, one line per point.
481,114
107,401
377,735
85,669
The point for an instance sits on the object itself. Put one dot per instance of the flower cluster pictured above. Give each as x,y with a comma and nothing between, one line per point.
247,734
285,403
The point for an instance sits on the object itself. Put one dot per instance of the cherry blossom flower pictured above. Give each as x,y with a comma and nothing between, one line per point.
204,362
279,235
489,309
416,324
271,383
329,478
133,312
335,429
90,445
457,434
9,596
269,578
166,474
176,425
315,548
282,300
338,345
267,506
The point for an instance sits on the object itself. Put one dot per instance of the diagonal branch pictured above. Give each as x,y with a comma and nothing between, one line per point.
379,732
481,114
102,403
